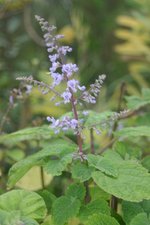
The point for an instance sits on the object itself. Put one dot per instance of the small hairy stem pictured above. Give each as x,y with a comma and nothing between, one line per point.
79,139
42,177
38,83
87,196
41,169
114,203
114,200
92,141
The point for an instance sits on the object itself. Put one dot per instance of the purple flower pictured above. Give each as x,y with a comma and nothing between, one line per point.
28,89
95,88
59,36
67,123
85,113
55,124
11,99
64,49
54,66
50,49
53,58
73,84
66,96
81,88
69,69
60,71
87,97
73,124
57,78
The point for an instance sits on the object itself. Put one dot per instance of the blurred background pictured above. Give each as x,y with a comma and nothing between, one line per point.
109,37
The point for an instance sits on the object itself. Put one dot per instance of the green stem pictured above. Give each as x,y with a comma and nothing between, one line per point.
92,141
5,117
42,177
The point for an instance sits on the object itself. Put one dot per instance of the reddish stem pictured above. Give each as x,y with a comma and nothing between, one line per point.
79,139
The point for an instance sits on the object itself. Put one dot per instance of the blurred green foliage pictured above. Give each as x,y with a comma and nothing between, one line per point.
134,49
110,37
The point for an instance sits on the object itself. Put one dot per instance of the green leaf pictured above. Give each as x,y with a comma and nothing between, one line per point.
132,183
28,204
140,219
101,219
135,102
127,151
48,197
28,221
97,192
114,156
146,206
130,210
146,162
15,154
103,164
94,207
146,93
27,134
56,166
65,208
48,221
94,118
14,218
76,191
11,218
56,147
134,131
81,171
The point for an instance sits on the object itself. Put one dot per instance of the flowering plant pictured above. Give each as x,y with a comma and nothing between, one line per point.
100,179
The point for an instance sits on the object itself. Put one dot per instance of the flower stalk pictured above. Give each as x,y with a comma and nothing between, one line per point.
61,71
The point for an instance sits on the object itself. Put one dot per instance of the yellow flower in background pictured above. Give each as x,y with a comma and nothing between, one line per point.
69,34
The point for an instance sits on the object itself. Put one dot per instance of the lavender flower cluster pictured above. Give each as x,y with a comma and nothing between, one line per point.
61,71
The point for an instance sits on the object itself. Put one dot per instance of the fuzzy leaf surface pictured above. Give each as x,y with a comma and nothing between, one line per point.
140,219
94,207
48,197
131,209
56,166
28,204
27,134
11,218
81,172
97,192
76,191
135,102
146,162
65,208
101,219
134,132
103,164
55,148
98,119
132,183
